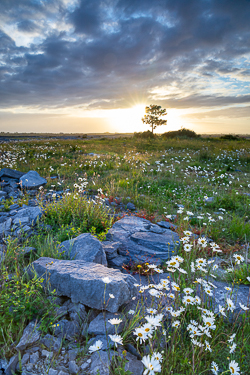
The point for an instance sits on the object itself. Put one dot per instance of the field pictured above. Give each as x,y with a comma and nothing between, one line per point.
201,185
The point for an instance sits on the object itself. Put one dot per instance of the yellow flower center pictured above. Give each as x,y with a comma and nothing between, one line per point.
140,334
232,369
147,329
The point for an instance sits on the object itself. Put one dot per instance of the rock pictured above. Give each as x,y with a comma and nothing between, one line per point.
134,365
84,247
30,336
166,224
83,282
32,180
21,221
111,249
27,251
14,206
10,173
47,354
139,240
10,369
2,194
51,342
97,326
66,329
73,354
100,362
73,368
118,262
34,357
63,373
131,206
52,372
5,227
33,213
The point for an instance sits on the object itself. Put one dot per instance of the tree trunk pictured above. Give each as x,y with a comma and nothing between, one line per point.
152,129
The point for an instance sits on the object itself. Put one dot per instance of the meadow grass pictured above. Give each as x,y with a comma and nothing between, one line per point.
169,179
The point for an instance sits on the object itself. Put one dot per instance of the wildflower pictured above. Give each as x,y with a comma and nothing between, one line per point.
228,288
230,305
147,329
176,324
184,239
169,309
117,339
234,368
111,295
151,311
175,286
231,338
141,334
208,291
188,300
238,258
232,348
201,261
244,307
115,321
106,280
197,300
209,322
202,241
96,346
173,263
154,320
187,233
214,368
188,247
152,365
154,292
181,270
152,266
197,343
207,346
222,310
157,356
188,290
171,295
131,312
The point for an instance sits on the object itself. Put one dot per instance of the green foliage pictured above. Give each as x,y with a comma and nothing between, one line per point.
144,135
74,214
240,274
181,133
152,117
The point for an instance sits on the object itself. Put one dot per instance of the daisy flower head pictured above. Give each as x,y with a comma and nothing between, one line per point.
187,247
207,346
230,305
111,295
234,368
96,346
141,334
115,321
188,300
245,308
151,364
188,290
231,338
117,339
157,356
222,310
106,280
187,233
214,368
238,258
232,348
131,312
154,320
151,311
176,324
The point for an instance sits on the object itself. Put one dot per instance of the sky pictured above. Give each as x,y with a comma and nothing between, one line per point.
86,66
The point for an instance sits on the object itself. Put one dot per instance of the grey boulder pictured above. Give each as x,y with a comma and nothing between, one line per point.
30,336
84,282
32,180
84,247
5,227
10,173
101,323
31,213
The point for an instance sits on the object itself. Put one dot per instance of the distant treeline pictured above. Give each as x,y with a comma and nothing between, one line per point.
184,133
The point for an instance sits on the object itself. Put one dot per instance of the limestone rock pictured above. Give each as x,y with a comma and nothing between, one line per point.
97,326
10,173
83,282
84,247
32,180
30,336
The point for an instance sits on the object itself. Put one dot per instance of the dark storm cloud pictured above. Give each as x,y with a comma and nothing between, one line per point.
99,52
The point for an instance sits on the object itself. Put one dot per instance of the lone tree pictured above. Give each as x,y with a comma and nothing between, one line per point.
153,112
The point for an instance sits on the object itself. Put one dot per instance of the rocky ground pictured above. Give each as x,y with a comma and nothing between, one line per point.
81,289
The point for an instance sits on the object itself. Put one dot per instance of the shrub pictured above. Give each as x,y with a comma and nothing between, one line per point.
145,135
230,137
181,133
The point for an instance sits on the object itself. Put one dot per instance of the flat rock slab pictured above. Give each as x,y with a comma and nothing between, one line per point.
143,241
32,213
83,282
10,173
32,180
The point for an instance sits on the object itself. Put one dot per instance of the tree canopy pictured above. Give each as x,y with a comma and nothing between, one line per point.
152,116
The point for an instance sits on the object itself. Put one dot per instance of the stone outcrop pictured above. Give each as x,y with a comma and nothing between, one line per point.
83,282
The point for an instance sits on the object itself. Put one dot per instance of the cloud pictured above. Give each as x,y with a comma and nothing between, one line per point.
105,54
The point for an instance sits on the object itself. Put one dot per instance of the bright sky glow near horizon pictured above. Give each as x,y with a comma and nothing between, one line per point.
92,66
